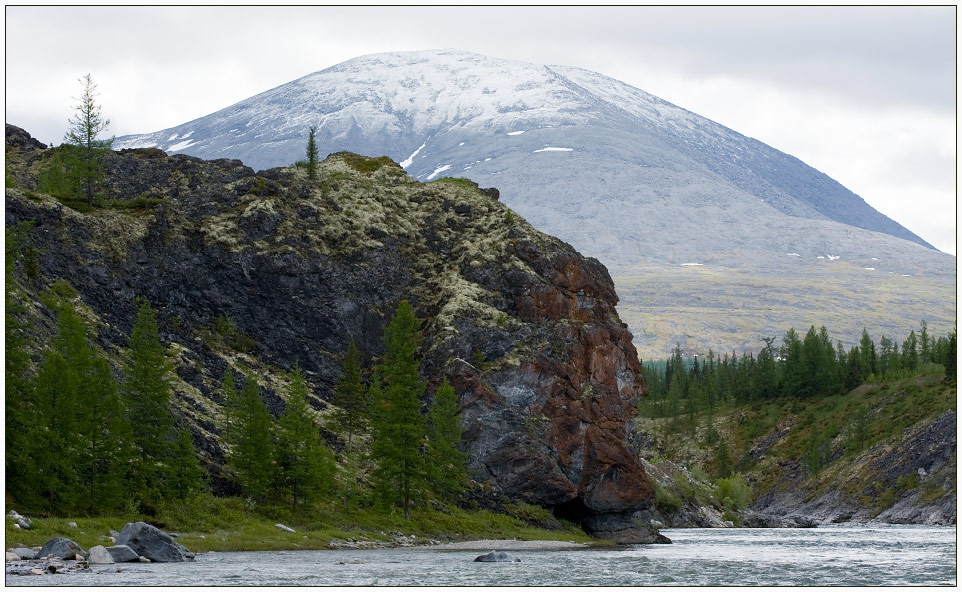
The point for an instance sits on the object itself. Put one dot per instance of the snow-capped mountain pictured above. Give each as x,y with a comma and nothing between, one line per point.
624,176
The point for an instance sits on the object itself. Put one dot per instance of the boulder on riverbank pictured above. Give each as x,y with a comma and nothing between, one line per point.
122,553
497,557
23,552
61,547
99,555
151,542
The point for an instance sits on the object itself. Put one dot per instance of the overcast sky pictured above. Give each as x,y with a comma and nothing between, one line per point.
865,94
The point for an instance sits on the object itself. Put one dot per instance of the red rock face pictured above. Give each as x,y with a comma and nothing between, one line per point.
552,430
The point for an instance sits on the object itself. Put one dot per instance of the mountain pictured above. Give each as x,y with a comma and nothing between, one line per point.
714,240
261,272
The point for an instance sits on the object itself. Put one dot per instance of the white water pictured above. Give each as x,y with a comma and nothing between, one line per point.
850,556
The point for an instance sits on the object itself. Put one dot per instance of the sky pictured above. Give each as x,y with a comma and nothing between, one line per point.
866,95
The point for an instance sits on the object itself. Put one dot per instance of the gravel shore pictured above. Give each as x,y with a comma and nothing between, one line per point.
510,545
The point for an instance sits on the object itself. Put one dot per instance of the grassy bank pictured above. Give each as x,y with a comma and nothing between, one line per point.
206,523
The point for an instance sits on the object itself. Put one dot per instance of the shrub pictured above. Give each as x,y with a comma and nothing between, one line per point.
666,501
734,492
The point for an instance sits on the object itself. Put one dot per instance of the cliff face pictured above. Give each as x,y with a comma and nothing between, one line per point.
523,326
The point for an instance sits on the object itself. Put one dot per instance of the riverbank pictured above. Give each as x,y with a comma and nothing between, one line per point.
206,523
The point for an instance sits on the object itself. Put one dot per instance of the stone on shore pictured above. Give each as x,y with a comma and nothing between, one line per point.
99,555
60,547
152,543
497,557
122,553
23,552
12,556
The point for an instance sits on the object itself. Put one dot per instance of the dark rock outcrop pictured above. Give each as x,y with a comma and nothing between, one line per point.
151,542
521,325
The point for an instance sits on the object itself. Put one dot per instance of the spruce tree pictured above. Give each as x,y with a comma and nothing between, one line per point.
252,455
304,464
350,398
147,394
312,155
399,434
447,463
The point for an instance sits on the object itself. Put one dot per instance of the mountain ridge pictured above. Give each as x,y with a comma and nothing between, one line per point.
641,184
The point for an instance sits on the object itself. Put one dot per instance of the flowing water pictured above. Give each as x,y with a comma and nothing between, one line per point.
850,556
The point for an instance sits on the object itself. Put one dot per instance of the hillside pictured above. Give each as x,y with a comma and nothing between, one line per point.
658,194
885,451
258,272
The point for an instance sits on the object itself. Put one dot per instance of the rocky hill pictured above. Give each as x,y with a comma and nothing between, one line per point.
262,271
757,240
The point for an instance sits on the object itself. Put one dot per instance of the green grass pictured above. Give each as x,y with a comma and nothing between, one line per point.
206,523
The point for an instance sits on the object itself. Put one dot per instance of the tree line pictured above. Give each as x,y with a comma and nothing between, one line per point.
800,367
411,451
80,440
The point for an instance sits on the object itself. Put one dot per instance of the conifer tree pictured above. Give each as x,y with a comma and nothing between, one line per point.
252,454
350,398
185,475
312,155
399,435
447,462
85,126
304,464
228,404
147,394
80,452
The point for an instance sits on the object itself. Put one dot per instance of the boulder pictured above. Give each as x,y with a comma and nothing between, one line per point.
497,557
23,522
23,552
60,547
99,555
12,556
152,543
122,553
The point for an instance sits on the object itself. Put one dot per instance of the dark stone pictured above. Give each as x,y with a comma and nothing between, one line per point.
60,547
491,192
151,542
497,557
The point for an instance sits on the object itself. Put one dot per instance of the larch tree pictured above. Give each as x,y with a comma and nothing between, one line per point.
85,126
252,457
447,462
399,433
350,398
305,466
147,394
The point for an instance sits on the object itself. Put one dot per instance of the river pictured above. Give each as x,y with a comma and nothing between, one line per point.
882,555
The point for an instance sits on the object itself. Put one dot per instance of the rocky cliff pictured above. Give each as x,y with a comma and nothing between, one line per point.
523,326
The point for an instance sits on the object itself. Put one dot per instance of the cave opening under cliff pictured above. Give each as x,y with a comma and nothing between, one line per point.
573,510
